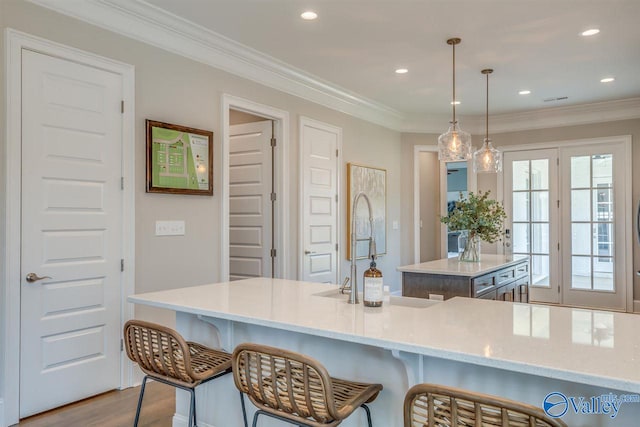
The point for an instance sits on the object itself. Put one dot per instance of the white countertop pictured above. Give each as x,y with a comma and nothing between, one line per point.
583,346
453,267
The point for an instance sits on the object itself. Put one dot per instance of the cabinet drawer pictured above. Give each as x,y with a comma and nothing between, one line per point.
522,270
483,283
504,276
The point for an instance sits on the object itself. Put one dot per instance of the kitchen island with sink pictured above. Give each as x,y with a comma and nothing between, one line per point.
519,351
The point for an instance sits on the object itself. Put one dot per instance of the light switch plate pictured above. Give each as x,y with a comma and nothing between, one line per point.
170,228
395,225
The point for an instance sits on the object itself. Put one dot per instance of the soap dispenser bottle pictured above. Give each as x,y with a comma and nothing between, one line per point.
372,285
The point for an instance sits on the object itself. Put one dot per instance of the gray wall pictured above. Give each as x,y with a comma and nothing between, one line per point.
160,76
429,206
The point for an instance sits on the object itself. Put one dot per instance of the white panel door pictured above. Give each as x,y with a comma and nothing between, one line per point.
531,204
250,185
71,232
594,227
319,170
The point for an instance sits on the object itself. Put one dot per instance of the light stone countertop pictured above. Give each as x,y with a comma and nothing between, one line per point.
583,346
453,267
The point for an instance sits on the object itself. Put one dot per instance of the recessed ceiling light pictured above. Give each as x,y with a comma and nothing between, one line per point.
607,80
455,102
402,71
590,32
309,15
524,92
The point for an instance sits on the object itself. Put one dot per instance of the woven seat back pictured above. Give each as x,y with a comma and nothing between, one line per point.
284,381
428,405
158,350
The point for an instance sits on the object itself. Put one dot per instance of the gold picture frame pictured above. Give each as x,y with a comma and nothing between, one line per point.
179,159
373,181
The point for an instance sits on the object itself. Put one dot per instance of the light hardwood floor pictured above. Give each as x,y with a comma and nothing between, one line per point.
112,409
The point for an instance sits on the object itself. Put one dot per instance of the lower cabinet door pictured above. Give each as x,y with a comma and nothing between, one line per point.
522,290
507,292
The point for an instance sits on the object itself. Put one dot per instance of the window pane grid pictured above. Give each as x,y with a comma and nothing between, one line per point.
592,223
530,216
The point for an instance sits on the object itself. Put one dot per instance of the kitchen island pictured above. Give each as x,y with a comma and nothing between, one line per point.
519,351
497,277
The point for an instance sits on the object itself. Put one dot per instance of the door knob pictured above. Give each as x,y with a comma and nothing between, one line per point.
33,277
309,252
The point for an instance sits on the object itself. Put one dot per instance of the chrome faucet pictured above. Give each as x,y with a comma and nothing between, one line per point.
353,297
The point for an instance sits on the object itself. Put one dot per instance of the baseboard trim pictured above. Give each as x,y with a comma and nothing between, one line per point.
636,306
181,421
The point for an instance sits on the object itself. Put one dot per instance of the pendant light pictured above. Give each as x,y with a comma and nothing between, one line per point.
454,144
487,159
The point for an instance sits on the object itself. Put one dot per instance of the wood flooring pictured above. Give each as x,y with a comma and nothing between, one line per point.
113,409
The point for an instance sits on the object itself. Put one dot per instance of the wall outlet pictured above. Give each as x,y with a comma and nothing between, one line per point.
436,297
170,228
395,225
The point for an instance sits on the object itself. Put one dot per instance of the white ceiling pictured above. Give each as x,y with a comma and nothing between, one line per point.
357,45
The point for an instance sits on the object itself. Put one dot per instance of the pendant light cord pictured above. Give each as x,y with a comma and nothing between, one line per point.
487,115
454,84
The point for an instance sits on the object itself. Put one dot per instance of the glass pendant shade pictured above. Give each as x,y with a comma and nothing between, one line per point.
487,159
454,144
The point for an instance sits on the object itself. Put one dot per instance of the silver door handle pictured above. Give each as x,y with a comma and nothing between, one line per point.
309,252
33,277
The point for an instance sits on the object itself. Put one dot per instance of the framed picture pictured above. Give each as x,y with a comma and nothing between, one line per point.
373,182
179,159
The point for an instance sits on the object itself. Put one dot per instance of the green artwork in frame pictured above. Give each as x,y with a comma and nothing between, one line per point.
179,159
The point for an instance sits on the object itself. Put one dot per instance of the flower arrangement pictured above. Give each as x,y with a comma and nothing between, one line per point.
480,217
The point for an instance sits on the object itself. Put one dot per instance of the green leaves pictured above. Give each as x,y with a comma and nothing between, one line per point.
478,214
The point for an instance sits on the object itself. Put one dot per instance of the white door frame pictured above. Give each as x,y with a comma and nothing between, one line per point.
338,131
472,185
629,209
15,42
281,118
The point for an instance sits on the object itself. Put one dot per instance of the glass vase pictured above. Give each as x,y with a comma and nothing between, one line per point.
468,247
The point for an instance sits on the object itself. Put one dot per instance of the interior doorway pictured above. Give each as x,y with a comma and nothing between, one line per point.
254,194
437,185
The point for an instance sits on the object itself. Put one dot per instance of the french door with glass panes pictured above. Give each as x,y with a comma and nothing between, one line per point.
566,211
594,226
531,204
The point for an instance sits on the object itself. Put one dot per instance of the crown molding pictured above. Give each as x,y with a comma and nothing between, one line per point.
573,115
147,23
144,22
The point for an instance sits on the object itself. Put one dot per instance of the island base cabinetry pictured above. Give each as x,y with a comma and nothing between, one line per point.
510,283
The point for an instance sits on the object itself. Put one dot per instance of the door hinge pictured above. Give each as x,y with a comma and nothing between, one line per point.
336,247
122,182
122,106
558,203
121,344
273,142
273,253
558,246
558,288
336,198
558,161
337,153
273,197
122,264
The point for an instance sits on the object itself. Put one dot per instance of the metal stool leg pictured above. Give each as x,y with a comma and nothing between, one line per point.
144,383
195,419
255,419
191,407
244,411
366,408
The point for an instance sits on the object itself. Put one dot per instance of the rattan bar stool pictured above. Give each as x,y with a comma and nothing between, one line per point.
165,356
297,389
429,405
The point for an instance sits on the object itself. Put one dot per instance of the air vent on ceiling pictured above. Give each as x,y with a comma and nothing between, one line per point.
560,98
